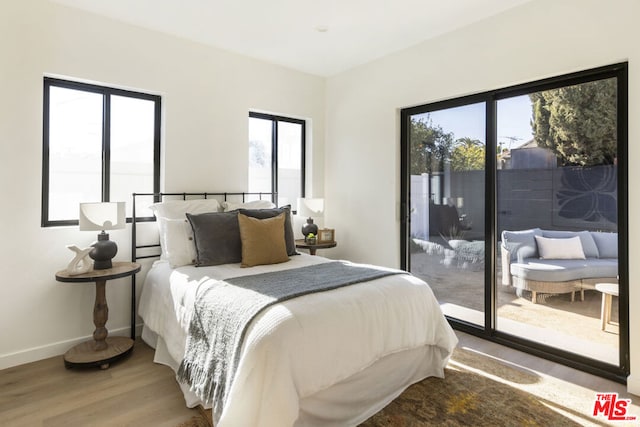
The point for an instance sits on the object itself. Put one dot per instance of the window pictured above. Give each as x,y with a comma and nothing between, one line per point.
99,144
276,156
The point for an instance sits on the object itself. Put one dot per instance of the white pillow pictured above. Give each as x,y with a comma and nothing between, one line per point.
570,248
177,242
254,204
177,210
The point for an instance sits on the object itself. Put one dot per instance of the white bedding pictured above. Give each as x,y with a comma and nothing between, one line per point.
329,358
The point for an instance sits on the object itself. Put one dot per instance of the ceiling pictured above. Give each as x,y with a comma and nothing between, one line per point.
321,37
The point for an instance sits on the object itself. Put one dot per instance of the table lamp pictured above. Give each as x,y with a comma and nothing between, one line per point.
101,217
311,208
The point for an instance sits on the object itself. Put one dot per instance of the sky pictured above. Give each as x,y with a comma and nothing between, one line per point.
514,115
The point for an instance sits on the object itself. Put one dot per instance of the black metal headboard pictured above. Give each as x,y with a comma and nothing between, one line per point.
160,197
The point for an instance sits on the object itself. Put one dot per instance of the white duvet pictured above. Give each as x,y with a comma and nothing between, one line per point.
329,358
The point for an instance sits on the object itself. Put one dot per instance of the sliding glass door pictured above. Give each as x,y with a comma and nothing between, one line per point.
515,214
556,183
447,188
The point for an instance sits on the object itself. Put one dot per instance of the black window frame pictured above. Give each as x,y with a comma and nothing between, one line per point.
274,150
106,93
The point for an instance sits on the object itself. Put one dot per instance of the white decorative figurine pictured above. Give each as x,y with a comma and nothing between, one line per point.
81,263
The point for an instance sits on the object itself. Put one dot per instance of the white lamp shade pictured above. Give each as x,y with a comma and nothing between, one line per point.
313,208
102,216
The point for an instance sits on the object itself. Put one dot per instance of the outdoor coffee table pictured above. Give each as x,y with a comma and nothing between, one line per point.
609,290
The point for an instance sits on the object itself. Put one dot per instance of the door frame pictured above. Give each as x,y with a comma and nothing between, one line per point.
619,71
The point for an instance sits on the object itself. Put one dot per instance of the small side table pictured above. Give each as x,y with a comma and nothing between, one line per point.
301,244
609,290
102,350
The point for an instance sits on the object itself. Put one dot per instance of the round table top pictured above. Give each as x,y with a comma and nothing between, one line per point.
608,288
300,243
119,269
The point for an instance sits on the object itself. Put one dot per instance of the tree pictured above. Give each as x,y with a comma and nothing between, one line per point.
578,123
257,154
468,154
431,146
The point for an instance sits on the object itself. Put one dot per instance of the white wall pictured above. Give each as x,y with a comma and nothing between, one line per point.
206,95
539,39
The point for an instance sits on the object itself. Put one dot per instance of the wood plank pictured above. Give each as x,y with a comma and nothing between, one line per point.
133,391
138,392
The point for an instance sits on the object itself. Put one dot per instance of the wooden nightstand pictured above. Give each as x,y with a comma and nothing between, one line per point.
301,244
102,350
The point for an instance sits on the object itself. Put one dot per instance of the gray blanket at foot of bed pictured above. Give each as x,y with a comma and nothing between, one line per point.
224,309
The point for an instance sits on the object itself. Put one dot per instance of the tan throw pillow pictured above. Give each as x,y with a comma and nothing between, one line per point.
262,240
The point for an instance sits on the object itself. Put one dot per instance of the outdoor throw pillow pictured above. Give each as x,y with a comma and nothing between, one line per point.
550,248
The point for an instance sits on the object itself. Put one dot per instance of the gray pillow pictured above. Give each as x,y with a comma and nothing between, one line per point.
607,243
217,238
521,244
289,237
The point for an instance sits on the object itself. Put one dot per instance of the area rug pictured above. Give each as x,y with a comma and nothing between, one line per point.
476,391
479,390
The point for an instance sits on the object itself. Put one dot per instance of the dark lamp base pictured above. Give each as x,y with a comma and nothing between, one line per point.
102,265
103,252
309,227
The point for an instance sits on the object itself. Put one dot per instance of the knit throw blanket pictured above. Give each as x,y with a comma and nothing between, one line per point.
224,309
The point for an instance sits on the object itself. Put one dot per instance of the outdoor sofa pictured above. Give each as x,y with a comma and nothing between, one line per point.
558,262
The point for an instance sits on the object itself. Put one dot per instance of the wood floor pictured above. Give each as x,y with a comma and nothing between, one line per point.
132,392
138,392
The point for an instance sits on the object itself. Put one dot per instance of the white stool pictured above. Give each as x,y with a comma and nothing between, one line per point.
608,291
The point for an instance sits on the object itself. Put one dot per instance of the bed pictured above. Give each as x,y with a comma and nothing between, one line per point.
325,358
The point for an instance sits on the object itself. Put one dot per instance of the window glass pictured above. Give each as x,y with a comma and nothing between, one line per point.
75,154
447,187
260,154
557,172
276,156
289,162
132,141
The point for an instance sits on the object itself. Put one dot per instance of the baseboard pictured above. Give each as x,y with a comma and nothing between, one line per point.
633,384
34,354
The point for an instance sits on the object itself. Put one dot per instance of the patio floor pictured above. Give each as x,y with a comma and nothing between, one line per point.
555,321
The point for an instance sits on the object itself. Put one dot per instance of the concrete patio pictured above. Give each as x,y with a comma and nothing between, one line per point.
555,321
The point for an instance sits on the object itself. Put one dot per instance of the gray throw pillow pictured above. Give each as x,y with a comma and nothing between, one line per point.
270,213
521,244
217,238
607,243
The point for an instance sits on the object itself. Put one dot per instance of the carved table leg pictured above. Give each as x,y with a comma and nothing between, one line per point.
100,316
102,349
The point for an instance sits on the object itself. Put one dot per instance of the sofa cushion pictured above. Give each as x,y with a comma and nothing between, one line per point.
607,244
521,244
562,270
589,246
